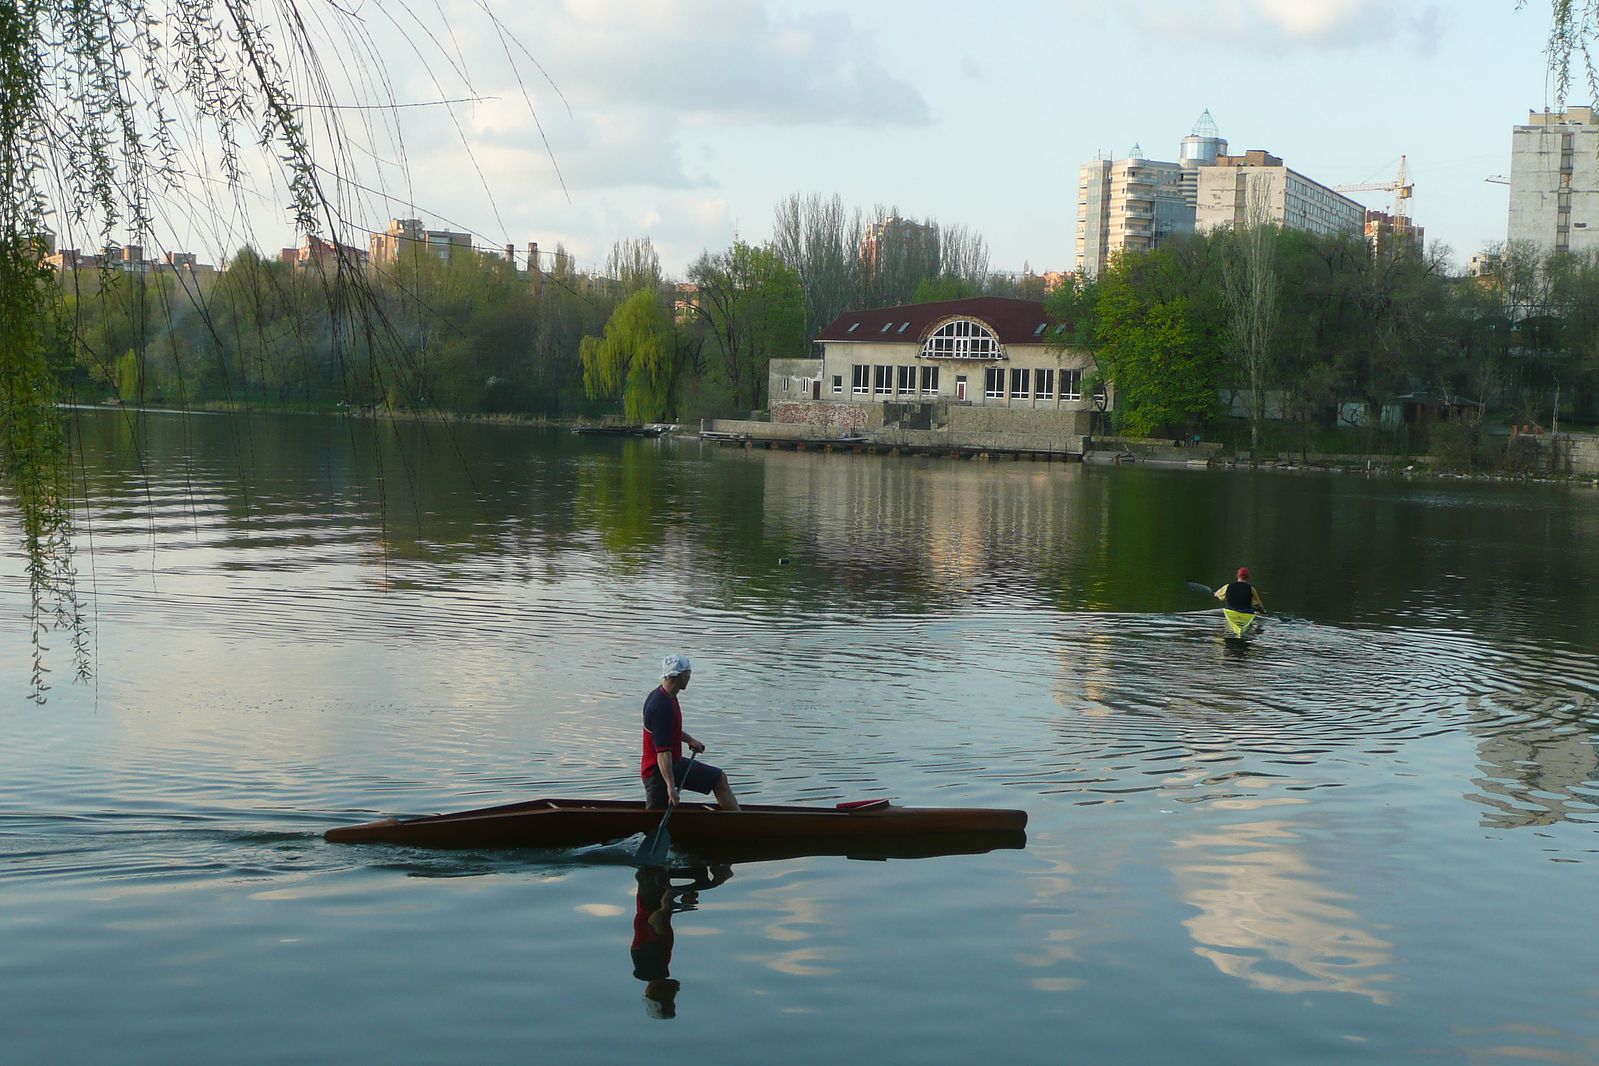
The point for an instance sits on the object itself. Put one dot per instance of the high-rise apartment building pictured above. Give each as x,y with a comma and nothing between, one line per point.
1554,180
1287,197
1127,204
1134,204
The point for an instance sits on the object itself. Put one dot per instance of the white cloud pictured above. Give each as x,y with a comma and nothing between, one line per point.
1412,24
717,59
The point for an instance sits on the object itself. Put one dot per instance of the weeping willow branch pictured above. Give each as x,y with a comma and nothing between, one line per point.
111,111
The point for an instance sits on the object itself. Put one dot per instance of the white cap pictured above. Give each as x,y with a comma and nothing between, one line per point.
673,665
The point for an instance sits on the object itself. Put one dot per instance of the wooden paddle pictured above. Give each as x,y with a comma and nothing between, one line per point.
655,847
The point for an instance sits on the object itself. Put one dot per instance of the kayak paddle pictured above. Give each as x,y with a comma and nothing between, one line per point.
1200,586
656,846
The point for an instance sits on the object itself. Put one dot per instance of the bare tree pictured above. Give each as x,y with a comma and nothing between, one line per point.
963,254
634,264
1249,283
820,240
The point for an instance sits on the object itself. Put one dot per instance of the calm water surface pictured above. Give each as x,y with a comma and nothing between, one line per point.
1369,836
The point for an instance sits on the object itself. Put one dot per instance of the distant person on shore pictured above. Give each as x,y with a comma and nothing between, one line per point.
1240,602
663,767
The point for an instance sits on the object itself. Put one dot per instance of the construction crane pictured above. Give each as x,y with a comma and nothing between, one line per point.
1401,189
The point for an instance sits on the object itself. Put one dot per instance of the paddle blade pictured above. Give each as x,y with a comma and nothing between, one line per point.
653,850
1200,587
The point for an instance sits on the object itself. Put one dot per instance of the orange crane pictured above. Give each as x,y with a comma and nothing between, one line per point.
1401,189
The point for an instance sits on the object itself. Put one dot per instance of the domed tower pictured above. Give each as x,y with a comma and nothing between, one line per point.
1199,149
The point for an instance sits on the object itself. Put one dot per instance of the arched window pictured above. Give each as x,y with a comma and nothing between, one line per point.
962,338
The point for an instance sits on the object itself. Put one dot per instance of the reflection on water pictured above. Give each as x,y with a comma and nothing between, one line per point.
306,622
662,894
1268,917
1539,757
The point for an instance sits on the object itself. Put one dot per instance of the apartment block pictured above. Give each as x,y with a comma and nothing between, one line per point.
409,233
1289,198
1554,180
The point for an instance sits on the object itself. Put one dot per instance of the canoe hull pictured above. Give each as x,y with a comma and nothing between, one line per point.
704,830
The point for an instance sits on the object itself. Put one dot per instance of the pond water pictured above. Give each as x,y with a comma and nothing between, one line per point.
1369,835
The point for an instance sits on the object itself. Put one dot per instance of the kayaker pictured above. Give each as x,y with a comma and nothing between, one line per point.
1240,601
663,767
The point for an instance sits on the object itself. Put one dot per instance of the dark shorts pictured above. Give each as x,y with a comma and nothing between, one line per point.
702,777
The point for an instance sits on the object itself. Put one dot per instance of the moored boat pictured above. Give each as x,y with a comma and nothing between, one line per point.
873,828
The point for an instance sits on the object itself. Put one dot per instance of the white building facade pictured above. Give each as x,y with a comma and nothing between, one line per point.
1554,181
987,352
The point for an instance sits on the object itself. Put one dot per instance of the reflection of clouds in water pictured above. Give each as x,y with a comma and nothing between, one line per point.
1265,918
600,910
803,962
1052,943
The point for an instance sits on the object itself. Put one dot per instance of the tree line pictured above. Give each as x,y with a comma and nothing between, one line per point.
1306,333
472,334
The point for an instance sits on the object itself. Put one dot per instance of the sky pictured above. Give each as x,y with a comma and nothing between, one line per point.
686,121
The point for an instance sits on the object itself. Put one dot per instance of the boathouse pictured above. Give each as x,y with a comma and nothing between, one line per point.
984,364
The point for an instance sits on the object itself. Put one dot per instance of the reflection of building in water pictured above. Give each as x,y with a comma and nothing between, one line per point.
1537,772
965,522
1265,918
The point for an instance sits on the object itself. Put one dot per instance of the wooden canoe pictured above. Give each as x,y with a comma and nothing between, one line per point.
877,830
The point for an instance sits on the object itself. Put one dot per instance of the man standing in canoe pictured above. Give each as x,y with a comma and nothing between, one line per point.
663,767
1240,602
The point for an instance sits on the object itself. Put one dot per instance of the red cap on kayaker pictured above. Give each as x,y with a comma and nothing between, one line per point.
1243,573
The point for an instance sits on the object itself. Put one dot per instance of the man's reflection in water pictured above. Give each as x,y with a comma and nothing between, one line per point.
658,900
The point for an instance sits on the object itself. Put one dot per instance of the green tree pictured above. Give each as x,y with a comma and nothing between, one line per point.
640,359
751,306
944,287
1151,344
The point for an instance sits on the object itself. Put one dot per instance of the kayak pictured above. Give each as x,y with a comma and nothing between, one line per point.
869,828
1240,624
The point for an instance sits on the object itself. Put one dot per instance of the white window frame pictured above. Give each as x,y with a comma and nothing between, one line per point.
860,383
1020,376
1044,383
1071,383
962,338
882,380
838,384
993,383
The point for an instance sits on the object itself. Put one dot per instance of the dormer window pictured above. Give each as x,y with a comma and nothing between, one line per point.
853,326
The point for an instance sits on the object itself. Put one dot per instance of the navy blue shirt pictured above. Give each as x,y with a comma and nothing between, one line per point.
663,728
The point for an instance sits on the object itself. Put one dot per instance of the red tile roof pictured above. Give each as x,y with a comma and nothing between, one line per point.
1013,321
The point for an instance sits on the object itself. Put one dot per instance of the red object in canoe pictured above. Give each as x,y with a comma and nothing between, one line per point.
874,828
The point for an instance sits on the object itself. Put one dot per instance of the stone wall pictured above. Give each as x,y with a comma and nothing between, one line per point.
1043,443
967,420
1577,454
816,418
